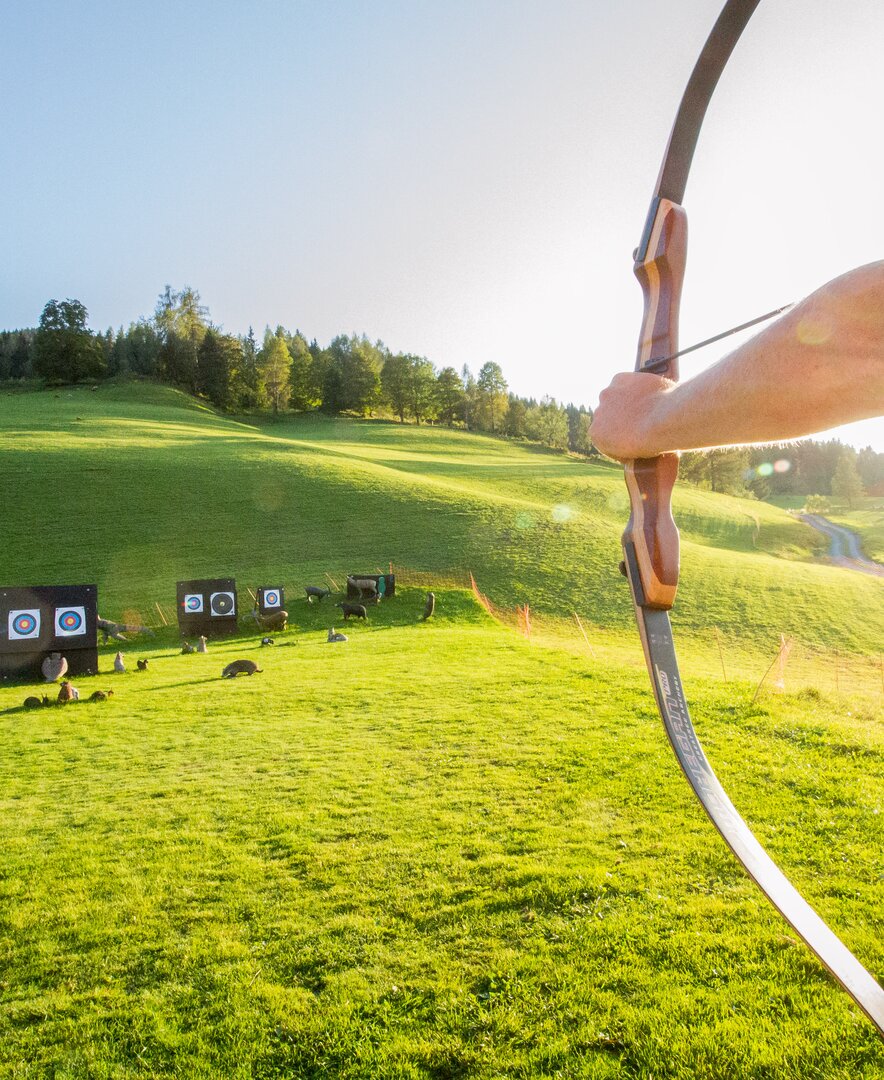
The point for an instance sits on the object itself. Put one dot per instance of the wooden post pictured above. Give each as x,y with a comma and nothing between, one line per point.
160,610
720,652
585,638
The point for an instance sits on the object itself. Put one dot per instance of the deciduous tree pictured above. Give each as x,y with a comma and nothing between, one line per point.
64,348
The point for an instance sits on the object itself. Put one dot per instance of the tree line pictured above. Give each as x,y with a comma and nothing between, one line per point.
283,372
179,345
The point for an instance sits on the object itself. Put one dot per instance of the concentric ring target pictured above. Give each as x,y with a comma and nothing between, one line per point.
193,603
24,624
222,603
272,598
70,621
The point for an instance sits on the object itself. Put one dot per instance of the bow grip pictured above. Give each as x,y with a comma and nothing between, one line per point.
650,542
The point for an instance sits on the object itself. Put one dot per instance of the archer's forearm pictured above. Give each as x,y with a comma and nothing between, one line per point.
820,365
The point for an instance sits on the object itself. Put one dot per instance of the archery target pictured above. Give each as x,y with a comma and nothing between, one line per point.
24,624
272,598
193,603
222,603
70,621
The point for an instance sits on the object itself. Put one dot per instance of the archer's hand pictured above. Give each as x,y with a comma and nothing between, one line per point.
626,423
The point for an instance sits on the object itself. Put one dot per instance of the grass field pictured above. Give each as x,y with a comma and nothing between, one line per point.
438,850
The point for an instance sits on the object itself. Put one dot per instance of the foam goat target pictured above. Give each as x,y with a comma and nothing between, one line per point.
207,607
270,600
36,620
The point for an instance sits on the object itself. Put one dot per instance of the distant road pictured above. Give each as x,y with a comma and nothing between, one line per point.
844,548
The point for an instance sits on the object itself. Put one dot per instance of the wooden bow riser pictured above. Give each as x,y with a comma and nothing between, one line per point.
651,530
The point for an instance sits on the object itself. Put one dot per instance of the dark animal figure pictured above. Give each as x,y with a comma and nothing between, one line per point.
430,606
314,590
352,609
187,648
101,695
67,693
142,665
240,667
35,702
267,641
115,629
333,635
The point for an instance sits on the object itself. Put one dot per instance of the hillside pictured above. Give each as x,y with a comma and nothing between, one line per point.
135,486
438,850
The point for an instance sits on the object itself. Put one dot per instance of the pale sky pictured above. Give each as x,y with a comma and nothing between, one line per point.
463,180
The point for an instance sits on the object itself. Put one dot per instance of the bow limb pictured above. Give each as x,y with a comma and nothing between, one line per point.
650,541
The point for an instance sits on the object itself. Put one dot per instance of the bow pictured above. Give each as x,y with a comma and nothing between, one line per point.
650,542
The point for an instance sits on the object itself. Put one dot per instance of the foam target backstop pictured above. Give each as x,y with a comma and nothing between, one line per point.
36,620
271,599
207,607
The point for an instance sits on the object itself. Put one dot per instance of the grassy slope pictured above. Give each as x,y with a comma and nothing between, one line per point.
136,487
433,852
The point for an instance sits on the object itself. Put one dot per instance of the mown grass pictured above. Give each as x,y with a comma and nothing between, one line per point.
437,850
434,851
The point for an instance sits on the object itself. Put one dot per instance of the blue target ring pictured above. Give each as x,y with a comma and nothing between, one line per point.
24,624
71,621
194,603
271,599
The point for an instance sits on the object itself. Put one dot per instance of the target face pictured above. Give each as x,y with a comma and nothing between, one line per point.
222,603
70,621
24,624
272,598
193,603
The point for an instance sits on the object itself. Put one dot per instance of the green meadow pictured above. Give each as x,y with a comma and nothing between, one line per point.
439,850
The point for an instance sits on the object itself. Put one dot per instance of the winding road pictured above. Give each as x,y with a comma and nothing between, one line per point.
844,548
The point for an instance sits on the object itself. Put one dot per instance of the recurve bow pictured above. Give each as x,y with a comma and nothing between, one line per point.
650,542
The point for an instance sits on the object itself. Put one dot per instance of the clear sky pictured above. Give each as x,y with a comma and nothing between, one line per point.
463,179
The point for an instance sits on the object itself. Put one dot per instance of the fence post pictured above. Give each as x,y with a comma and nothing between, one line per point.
720,652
